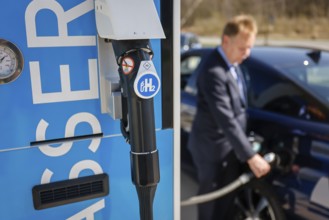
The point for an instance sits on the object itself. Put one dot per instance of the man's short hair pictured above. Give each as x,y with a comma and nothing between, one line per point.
240,23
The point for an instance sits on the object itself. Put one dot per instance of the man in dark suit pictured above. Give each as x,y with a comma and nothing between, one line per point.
218,141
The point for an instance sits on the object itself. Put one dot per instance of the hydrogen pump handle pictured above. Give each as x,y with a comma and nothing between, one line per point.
241,180
137,124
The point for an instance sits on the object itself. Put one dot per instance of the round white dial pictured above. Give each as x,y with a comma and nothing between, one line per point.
11,61
8,62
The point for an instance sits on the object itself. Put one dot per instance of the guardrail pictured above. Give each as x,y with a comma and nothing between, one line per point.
318,44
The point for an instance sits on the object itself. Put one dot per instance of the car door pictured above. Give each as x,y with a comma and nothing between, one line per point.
295,125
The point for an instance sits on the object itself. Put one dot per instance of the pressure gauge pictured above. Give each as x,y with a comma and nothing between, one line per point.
11,61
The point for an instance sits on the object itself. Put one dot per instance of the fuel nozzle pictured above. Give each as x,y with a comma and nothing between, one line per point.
270,158
275,160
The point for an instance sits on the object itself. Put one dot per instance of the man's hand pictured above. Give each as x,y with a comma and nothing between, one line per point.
258,166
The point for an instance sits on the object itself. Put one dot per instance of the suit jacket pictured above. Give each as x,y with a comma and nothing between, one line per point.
220,122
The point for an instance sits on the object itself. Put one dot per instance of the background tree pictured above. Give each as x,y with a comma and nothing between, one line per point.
280,18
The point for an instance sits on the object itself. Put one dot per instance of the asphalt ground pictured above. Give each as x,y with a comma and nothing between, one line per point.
189,188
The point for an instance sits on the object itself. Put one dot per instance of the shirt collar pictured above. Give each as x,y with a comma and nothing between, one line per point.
221,52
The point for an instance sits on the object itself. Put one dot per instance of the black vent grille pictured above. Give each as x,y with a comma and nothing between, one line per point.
69,191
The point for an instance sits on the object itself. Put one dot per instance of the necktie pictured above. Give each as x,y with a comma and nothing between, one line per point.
239,80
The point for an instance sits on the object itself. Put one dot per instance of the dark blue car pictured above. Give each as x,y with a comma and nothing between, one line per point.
288,97
189,41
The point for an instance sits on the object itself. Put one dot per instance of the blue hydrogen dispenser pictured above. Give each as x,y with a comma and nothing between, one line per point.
89,129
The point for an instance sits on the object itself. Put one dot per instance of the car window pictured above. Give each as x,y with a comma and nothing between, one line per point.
189,64
315,78
309,68
271,92
194,40
318,76
189,41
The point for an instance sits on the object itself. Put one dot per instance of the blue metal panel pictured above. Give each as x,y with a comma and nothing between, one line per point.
59,79
22,169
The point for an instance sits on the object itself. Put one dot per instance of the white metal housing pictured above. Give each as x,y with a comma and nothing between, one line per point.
127,20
